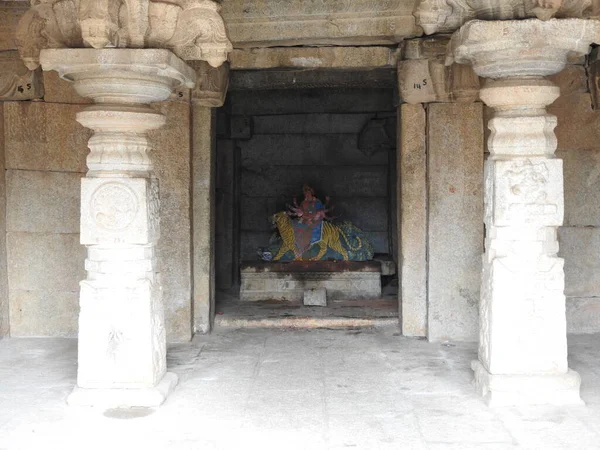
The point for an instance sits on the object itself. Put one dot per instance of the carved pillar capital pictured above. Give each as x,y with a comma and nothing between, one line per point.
522,344
449,15
192,29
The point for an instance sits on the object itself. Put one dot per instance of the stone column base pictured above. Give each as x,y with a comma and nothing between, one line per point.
537,389
124,398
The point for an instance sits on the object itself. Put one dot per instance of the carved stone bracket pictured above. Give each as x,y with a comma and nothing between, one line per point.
211,85
193,29
448,15
522,343
423,76
17,82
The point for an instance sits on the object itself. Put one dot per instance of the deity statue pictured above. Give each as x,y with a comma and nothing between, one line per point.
306,232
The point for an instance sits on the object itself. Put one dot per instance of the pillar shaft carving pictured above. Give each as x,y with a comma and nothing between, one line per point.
192,29
523,345
122,345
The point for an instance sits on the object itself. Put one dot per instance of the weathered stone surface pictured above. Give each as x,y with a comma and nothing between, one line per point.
578,126
305,150
455,202
412,192
313,57
583,315
309,124
171,156
203,188
29,255
315,297
17,82
44,313
44,136
415,82
226,215
580,246
4,299
10,14
572,78
273,23
57,90
312,79
42,202
311,101
582,187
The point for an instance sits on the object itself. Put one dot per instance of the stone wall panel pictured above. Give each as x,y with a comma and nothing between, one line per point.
44,313
10,14
171,157
583,315
580,247
325,150
44,262
43,202
310,123
44,136
455,171
311,101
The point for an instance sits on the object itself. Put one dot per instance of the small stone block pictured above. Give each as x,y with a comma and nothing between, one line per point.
315,297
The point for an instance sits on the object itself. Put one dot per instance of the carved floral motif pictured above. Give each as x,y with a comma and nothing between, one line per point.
193,29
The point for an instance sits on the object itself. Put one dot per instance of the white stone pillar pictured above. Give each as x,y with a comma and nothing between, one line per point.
122,346
522,343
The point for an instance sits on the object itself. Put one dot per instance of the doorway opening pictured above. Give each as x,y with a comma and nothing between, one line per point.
273,138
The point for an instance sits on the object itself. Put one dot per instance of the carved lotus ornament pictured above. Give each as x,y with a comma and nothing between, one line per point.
192,29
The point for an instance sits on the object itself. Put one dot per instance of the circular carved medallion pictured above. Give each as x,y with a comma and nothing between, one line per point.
113,206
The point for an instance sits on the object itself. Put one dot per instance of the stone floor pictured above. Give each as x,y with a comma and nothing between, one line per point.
284,389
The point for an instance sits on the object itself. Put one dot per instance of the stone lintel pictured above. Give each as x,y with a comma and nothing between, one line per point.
270,23
313,57
309,79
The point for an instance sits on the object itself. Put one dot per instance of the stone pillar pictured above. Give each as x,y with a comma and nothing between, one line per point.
522,339
122,347
209,93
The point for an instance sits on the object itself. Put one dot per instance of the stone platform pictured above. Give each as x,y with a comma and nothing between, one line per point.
343,280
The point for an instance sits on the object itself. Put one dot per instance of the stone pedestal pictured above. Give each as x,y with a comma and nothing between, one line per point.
289,281
122,346
522,342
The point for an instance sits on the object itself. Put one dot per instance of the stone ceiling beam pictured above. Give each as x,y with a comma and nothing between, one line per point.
523,341
270,23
